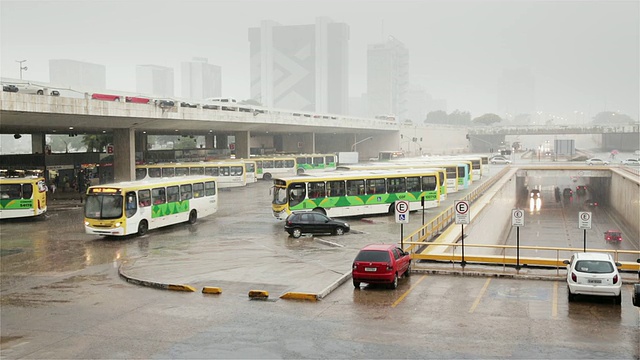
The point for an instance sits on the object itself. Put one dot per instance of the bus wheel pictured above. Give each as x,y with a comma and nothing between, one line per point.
193,217
266,176
300,171
143,227
392,209
320,210
40,92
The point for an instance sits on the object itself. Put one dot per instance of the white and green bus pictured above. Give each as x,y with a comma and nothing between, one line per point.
350,193
313,163
134,207
230,173
272,166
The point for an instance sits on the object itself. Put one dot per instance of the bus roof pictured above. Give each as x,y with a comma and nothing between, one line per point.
357,174
140,184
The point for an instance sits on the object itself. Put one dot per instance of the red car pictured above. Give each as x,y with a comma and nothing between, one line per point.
613,235
137,100
106,97
380,264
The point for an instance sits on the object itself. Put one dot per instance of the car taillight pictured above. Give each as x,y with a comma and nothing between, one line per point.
574,277
615,278
389,266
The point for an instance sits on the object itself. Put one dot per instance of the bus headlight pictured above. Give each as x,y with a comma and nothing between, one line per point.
86,223
118,224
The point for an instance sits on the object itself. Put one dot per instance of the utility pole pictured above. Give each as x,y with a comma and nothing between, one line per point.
21,67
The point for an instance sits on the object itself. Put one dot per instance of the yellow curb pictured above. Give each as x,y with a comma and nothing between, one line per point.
258,294
211,290
299,296
181,288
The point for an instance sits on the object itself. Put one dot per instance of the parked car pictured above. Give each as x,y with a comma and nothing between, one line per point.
613,235
597,161
631,162
581,190
499,160
380,264
567,192
9,88
592,273
311,222
535,194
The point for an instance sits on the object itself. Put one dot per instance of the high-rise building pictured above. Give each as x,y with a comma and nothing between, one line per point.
154,80
77,75
516,92
201,80
300,67
388,78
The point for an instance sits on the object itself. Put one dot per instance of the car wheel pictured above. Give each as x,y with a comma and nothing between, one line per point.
571,296
266,176
296,233
143,227
356,284
193,217
394,284
408,272
40,92
339,231
618,299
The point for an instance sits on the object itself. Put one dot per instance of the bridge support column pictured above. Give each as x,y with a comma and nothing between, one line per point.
124,159
209,141
141,145
38,142
242,144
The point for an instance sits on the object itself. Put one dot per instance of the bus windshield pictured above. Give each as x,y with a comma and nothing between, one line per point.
103,206
279,195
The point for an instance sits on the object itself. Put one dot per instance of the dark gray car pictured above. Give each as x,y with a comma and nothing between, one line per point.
311,222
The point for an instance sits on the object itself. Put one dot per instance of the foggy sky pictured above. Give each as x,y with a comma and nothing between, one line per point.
584,56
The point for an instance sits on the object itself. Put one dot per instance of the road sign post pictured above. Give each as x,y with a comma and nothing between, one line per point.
584,222
517,220
462,217
402,217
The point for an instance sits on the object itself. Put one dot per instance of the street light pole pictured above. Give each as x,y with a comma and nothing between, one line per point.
21,67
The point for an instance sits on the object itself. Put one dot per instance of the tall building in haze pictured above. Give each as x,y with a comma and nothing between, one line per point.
388,78
300,67
77,75
154,80
201,80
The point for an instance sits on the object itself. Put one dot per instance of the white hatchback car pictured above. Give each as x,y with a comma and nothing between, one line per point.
592,273
631,162
499,160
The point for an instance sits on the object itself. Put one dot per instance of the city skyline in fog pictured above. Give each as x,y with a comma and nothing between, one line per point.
582,56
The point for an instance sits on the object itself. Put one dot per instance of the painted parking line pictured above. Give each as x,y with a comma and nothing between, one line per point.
479,297
554,301
407,292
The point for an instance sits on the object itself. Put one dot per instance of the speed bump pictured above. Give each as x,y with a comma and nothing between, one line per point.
258,294
299,296
211,290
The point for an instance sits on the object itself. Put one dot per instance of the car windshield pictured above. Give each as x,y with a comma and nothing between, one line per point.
373,256
594,266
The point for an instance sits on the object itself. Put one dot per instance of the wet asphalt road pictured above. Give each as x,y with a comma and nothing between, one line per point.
61,298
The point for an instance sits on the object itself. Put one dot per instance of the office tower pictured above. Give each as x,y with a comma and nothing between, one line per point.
77,75
388,78
300,67
154,80
201,80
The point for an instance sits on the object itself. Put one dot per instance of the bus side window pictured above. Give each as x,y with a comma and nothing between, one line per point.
173,194
198,190
185,192
144,197
131,204
159,196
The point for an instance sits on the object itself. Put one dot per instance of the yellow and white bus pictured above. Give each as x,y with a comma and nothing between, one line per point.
134,207
22,197
272,166
229,173
350,193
